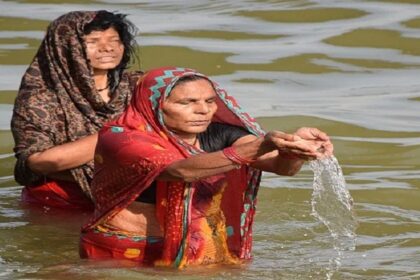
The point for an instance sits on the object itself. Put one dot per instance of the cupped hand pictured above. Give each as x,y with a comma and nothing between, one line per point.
291,144
318,139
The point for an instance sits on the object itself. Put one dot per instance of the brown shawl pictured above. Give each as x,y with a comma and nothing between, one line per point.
57,101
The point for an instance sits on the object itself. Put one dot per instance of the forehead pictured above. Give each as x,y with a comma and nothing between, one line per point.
101,33
196,88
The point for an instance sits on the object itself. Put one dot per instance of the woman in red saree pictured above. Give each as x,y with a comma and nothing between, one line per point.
176,176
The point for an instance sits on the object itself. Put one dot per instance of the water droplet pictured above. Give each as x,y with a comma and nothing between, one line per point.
332,204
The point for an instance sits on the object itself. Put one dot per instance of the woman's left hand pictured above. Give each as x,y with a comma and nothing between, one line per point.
319,139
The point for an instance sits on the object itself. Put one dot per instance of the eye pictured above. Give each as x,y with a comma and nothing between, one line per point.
211,100
115,40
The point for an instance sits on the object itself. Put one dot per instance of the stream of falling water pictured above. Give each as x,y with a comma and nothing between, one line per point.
332,204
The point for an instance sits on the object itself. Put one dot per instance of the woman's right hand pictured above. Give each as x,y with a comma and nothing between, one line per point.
63,157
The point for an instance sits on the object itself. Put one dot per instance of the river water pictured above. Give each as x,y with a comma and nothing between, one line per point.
348,67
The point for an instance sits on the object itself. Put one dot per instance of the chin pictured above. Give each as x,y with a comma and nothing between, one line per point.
200,129
196,130
189,129
106,66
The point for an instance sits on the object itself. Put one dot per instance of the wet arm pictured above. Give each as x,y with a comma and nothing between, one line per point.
196,167
279,163
250,147
274,161
63,157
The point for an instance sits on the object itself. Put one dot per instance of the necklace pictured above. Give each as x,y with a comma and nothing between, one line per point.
102,89
195,141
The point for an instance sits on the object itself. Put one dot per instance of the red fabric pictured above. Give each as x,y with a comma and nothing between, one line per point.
58,194
99,245
133,150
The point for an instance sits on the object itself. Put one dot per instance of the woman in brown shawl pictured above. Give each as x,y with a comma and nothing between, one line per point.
76,82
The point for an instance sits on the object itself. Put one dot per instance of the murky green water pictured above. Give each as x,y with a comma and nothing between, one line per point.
350,68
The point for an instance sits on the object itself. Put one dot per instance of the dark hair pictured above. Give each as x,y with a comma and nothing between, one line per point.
190,78
127,32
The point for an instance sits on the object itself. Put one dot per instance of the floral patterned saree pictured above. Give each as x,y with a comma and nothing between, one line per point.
207,221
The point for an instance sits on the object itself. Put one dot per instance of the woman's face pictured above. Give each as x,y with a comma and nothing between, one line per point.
104,49
189,108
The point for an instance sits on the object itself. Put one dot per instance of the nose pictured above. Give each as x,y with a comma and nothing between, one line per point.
202,108
104,46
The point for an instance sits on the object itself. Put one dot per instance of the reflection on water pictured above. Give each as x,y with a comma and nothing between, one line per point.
377,38
22,24
219,34
414,23
18,50
348,67
307,15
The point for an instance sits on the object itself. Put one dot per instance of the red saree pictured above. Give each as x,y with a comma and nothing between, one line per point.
206,221
57,194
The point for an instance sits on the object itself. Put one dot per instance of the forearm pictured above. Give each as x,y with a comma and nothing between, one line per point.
196,167
205,165
266,157
281,164
262,153
63,157
62,176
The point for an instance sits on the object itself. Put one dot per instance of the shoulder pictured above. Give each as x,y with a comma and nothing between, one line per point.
221,135
224,128
35,101
133,77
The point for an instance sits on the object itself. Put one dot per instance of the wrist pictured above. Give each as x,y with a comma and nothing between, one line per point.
231,154
289,155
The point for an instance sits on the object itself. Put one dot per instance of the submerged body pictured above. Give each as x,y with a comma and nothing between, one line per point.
190,143
64,99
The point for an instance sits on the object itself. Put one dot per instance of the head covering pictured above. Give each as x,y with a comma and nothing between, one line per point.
133,150
57,101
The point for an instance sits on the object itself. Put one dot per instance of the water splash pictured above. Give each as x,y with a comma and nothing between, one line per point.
332,204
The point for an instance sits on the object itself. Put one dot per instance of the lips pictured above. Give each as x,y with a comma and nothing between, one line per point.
106,58
206,122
